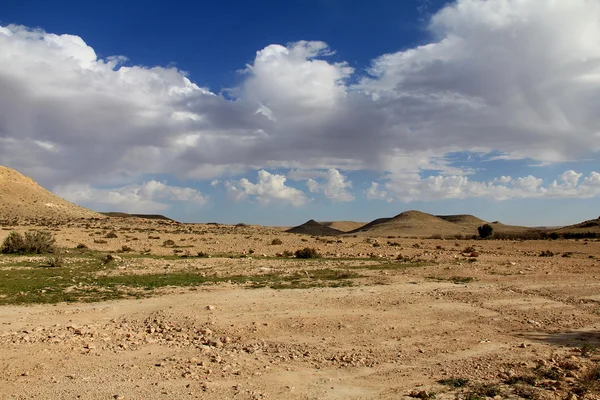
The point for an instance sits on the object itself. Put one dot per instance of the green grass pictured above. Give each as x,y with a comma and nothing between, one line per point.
454,279
26,282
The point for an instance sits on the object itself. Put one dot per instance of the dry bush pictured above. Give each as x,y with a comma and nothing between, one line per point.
276,242
307,252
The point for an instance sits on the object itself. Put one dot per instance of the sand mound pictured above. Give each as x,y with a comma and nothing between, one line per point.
315,228
22,199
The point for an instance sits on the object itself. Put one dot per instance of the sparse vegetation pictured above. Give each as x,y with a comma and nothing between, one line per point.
111,235
276,242
454,382
32,242
307,252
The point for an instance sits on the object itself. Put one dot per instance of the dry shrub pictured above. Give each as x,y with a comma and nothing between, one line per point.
307,252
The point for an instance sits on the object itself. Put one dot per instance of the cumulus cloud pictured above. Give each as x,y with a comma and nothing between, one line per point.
268,188
148,197
334,187
509,78
412,187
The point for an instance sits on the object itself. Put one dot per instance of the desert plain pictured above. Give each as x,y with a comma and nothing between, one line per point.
169,310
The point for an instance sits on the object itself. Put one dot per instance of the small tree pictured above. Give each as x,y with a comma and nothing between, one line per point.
485,231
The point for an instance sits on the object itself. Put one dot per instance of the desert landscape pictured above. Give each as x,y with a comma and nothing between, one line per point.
413,306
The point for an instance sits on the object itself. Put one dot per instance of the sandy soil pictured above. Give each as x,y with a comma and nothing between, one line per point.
395,332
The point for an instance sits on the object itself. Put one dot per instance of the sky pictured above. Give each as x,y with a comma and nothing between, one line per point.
276,112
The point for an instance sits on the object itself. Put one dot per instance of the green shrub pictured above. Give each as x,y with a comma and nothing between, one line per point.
485,231
33,242
56,259
307,252
13,244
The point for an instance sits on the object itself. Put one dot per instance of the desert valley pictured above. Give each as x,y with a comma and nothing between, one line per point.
413,306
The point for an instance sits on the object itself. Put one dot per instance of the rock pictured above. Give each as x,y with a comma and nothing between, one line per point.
210,308
119,397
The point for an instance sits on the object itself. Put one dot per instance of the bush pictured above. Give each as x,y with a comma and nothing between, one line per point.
485,231
111,235
57,259
82,246
35,242
13,244
307,252
168,242
276,242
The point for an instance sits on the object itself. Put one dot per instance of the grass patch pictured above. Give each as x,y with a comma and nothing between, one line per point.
77,279
454,382
390,265
454,279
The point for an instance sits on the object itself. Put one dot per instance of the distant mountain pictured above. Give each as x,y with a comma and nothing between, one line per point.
592,225
21,199
314,228
144,216
464,220
344,226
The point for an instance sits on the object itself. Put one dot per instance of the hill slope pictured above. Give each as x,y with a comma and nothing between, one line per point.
312,227
344,226
21,198
142,216
413,223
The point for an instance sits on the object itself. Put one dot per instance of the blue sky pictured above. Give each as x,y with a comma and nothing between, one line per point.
278,112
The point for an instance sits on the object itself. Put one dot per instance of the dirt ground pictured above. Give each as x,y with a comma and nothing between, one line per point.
494,315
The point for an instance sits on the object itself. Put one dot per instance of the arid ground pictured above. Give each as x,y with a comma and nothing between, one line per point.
219,312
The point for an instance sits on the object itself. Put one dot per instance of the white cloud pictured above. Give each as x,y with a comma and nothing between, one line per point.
335,186
519,78
268,188
149,197
412,187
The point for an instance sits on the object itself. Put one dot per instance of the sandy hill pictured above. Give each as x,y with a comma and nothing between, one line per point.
21,198
315,228
344,226
464,220
413,223
592,225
